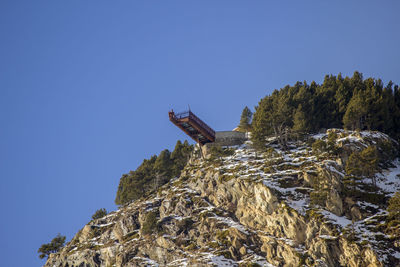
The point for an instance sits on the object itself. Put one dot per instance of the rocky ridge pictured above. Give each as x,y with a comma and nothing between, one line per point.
279,208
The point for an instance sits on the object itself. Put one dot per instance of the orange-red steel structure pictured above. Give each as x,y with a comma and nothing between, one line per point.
193,126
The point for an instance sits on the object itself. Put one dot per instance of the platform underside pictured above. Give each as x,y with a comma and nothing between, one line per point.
193,126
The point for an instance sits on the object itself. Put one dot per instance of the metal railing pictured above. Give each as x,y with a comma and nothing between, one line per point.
182,115
202,124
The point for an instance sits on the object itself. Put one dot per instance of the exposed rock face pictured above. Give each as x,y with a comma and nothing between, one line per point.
240,211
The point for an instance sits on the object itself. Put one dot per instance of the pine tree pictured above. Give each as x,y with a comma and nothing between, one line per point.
177,158
54,246
353,175
100,213
343,95
180,156
362,164
245,120
356,82
372,96
260,126
280,118
258,140
354,117
187,149
162,168
300,121
370,160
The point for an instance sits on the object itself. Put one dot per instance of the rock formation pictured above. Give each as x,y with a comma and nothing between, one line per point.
283,208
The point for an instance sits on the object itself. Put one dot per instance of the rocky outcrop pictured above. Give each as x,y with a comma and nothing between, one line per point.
237,211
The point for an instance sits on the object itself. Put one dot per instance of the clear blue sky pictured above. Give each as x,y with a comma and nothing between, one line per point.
85,87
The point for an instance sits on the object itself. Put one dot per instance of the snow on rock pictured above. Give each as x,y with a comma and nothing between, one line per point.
319,136
342,221
389,180
221,261
180,262
147,262
328,237
231,223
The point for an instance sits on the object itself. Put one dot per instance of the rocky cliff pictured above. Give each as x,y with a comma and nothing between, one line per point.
277,208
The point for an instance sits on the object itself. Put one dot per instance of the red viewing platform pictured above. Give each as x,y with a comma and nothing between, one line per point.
193,126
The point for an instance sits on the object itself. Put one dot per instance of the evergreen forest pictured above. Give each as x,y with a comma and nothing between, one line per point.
153,173
351,103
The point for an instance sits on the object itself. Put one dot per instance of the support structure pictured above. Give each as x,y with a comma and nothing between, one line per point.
193,126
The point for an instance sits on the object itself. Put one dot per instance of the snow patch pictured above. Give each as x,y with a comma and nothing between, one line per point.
340,220
221,261
389,180
328,237
103,225
148,262
319,136
231,223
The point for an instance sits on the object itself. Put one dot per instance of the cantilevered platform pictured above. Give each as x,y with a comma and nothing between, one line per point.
193,126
